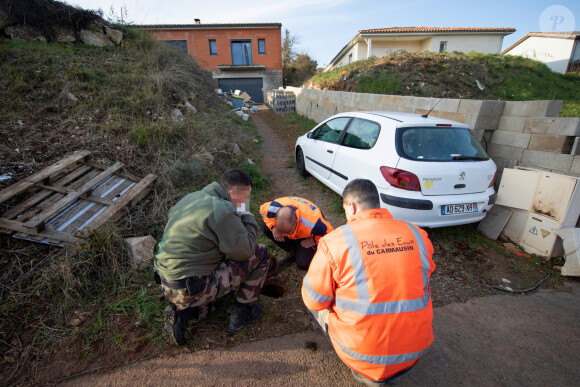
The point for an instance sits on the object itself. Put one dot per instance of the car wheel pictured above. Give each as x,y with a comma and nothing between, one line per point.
300,166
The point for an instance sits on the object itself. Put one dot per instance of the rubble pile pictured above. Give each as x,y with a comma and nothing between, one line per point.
240,102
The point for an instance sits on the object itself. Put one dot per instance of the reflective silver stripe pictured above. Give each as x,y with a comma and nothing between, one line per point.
363,304
307,223
368,309
273,209
381,360
313,294
360,277
423,253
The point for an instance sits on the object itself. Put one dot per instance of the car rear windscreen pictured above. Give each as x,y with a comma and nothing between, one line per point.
438,144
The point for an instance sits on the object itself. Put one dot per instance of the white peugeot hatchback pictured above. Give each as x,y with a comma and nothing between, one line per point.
428,171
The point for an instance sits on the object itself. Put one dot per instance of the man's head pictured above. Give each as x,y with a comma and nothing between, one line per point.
238,185
286,220
359,195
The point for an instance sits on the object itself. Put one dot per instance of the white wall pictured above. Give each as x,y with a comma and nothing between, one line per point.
553,52
486,44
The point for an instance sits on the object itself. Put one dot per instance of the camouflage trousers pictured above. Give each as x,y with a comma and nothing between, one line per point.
248,275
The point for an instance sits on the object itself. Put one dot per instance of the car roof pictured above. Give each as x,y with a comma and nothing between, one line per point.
406,118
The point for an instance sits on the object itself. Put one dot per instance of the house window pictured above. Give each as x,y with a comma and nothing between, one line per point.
350,58
261,46
242,52
178,45
442,46
212,47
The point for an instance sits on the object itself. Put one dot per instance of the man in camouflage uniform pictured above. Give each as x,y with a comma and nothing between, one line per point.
208,249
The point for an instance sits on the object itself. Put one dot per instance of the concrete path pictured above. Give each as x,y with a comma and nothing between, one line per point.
502,340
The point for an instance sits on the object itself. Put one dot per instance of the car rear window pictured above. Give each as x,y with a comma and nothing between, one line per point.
438,144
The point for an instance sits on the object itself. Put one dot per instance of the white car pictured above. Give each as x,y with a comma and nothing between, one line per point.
429,171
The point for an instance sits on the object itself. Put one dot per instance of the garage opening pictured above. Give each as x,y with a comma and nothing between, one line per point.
252,86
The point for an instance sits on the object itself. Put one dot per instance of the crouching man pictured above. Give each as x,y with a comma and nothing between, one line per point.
208,249
368,288
295,225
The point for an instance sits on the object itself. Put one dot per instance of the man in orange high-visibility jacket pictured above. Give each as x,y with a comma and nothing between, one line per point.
295,225
368,288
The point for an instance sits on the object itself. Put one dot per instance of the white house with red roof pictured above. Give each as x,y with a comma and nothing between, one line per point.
560,51
382,41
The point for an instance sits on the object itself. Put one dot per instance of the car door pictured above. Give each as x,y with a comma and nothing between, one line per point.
355,158
321,146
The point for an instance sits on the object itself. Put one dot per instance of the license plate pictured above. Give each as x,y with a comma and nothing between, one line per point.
453,209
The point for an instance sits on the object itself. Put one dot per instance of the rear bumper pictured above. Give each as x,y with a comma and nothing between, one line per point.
425,211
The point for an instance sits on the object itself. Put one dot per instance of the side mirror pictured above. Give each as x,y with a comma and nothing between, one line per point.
310,134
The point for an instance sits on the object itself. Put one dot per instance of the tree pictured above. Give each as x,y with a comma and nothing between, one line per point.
299,70
288,53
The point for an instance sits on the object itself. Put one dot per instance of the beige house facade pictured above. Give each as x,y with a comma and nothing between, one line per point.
383,41
560,51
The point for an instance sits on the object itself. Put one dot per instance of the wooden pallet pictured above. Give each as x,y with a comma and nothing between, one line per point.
67,199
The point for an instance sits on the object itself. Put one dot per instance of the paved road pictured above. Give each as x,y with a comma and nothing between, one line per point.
503,340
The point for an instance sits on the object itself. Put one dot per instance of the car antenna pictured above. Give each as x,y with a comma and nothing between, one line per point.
427,114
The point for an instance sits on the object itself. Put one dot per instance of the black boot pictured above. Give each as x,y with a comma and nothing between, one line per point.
175,324
244,314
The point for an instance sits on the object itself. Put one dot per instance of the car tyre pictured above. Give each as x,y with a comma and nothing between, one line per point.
300,165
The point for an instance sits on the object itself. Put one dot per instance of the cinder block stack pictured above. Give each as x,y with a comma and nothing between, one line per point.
281,101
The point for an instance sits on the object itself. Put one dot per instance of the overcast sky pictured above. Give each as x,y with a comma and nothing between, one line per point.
325,26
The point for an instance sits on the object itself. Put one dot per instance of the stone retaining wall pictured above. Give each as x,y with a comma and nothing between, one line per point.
528,133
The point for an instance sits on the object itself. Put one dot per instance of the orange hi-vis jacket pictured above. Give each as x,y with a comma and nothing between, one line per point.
311,222
373,275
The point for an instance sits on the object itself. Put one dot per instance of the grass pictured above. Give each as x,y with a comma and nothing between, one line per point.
454,75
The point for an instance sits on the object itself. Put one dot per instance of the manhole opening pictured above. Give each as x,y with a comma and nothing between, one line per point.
273,290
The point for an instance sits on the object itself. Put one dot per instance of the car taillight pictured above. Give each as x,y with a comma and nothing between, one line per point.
492,180
401,179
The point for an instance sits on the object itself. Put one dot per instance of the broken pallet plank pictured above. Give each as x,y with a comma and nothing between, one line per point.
47,233
30,181
40,196
136,193
38,222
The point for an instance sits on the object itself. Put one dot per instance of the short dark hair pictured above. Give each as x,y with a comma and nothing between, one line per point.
363,192
234,178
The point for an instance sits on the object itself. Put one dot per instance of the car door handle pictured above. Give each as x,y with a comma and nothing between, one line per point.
329,151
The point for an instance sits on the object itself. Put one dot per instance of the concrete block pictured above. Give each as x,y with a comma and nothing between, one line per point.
469,106
449,105
512,124
387,99
425,111
520,140
532,108
492,108
389,108
576,147
547,160
140,251
551,143
575,168
486,122
403,101
423,102
471,120
478,134
516,153
405,109
459,117
563,126
499,151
